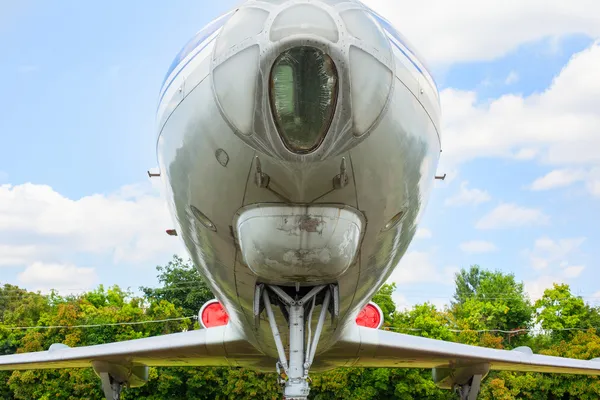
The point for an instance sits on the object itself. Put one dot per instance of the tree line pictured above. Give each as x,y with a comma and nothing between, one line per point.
489,308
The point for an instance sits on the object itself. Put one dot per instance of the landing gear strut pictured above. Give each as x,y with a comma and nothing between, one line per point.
465,380
111,387
294,374
470,390
115,377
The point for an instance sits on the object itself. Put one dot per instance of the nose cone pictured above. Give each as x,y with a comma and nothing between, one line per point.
304,19
302,80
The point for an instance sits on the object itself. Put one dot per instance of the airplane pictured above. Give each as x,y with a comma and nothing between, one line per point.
298,142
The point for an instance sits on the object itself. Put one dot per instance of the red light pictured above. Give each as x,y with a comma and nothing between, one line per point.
213,314
370,316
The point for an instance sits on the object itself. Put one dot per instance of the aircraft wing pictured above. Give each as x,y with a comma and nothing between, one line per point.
451,362
218,346
126,363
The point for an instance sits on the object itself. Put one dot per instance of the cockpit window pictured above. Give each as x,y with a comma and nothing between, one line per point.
303,93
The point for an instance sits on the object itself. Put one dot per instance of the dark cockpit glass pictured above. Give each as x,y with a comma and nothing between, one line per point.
303,93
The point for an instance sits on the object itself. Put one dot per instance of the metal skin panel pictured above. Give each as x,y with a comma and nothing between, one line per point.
313,244
188,147
219,346
390,169
364,347
357,347
389,173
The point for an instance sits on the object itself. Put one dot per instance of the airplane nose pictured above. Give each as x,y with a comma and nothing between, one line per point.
297,80
307,19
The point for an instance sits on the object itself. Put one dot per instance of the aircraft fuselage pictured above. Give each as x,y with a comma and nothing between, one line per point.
298,142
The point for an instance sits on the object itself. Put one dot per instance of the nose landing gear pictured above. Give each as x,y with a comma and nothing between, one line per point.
294,374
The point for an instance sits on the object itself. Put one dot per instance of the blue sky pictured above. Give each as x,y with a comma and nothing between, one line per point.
80,84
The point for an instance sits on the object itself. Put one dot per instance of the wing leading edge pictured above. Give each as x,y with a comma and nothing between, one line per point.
126,363
453,364
219,346
380,348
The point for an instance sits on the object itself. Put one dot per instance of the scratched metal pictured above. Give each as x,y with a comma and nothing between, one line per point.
390,164
307,244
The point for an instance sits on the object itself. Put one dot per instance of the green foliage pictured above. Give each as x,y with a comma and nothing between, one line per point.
559,309
383,298
182,285
424,320
483,300
486,300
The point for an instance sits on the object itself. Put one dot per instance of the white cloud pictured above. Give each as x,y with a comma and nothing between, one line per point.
526,154
39,224
401,302
551,256
594,299
468,30
535,288
19,254
558,127
593,182
558,178
63,278
573,271
594,188
513,77
547,252
468,196
512,216
477,247
417,267
423,233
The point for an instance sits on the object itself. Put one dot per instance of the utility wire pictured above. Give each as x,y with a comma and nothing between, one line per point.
6,293
387,328
523,330
13,328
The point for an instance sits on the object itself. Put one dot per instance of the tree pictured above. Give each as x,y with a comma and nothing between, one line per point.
486,300
383,298
562,313
483,300
424,320
182,285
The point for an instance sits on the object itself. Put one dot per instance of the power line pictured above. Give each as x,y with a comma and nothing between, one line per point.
387,328
6,293
523,330
13,328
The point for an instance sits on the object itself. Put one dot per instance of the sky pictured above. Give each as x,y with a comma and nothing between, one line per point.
520,93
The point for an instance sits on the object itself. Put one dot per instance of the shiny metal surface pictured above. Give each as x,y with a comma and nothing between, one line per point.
308,244
365,347
241,200
292,24
220,346
389,169
356,347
